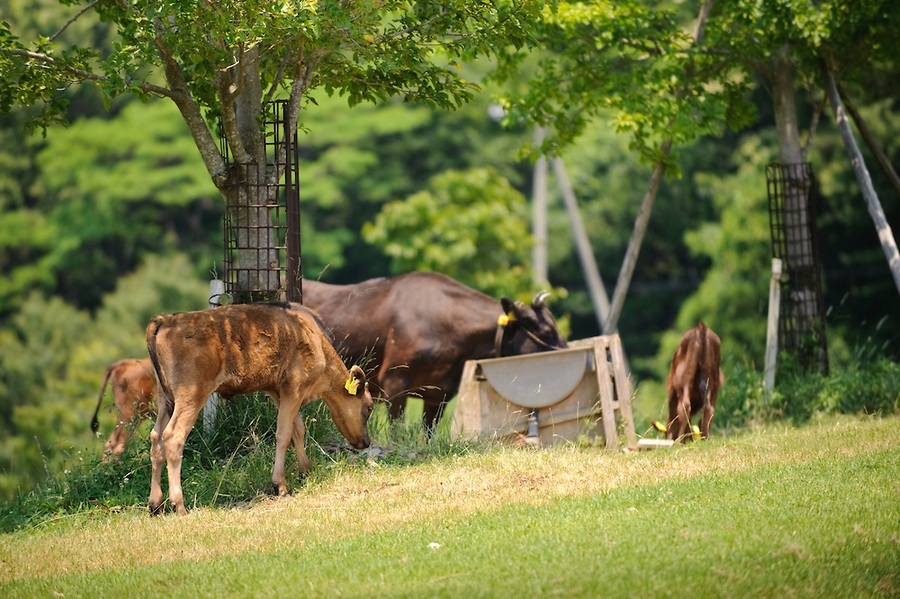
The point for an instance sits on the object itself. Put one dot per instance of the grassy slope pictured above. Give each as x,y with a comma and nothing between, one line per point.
810,512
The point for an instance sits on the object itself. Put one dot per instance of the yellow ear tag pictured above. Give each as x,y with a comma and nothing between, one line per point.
695,432
352,386
505,319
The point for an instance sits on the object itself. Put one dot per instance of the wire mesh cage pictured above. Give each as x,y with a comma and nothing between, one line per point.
792,218
262,259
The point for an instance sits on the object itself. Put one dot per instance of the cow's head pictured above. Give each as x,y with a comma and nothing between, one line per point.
352,415
527,329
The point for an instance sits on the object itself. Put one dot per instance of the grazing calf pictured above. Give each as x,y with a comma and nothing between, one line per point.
236,350
134,394
694,380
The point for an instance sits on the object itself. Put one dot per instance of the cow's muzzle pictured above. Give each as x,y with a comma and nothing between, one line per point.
361,443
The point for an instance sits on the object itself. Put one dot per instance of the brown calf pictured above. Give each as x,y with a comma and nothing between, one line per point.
134,394
694,380
240,349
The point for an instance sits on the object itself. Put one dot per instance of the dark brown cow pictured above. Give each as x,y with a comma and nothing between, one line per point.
236,350
694,380
134,394
416,331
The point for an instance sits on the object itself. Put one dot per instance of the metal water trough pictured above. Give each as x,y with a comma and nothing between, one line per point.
548,397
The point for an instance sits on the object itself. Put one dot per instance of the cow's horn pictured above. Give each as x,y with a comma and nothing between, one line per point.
539,298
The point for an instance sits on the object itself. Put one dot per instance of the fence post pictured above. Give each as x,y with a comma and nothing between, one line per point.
772,328
216,290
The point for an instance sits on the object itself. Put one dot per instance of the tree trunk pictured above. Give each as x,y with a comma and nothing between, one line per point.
799,248
885,234
249,197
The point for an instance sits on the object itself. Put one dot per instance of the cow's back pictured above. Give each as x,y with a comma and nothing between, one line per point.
423,315
241,349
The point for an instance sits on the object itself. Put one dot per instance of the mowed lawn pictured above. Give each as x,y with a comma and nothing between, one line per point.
780,512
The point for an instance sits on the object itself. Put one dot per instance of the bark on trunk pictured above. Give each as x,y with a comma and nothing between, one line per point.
250,198
799,250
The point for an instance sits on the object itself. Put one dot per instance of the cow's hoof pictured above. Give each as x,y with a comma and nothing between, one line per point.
277,490
156,509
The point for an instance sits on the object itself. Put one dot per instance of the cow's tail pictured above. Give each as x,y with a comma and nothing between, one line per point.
95,424
703,367
152,329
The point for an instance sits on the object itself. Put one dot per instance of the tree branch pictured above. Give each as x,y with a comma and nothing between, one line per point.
73,19
180,94
82,74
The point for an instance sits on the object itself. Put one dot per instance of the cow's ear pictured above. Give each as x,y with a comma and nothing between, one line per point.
515,310
357,376
512,308
358,373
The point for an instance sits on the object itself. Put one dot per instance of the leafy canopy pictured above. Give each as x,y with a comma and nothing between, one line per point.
633,60
201,54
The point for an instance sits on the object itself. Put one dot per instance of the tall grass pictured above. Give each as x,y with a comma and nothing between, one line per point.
231,466
864,382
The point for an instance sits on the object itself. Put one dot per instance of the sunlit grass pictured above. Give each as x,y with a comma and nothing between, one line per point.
806,512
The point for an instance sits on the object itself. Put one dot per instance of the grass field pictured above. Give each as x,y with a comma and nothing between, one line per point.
779,512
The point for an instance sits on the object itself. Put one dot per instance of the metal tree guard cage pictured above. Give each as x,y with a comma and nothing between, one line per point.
262,236
792,218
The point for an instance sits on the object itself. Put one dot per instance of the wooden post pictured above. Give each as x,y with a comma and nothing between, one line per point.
772,328
216,290
882,227
597,291
539,216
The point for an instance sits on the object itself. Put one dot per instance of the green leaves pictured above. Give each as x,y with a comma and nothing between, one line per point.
634,60
471,225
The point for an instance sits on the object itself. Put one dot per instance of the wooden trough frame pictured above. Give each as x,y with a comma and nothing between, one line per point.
564,394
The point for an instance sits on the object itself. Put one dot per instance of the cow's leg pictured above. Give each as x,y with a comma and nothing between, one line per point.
394,383
673,429
303,463
187,408
432,410
709,408
115,445
397,407
684,414
679,415
285,430
431,415
157,459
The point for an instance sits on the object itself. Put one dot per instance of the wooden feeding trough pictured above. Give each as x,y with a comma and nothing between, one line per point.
549,397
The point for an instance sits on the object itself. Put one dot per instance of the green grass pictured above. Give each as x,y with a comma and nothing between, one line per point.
779,512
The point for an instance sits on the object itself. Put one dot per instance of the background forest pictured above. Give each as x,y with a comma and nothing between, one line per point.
114,219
